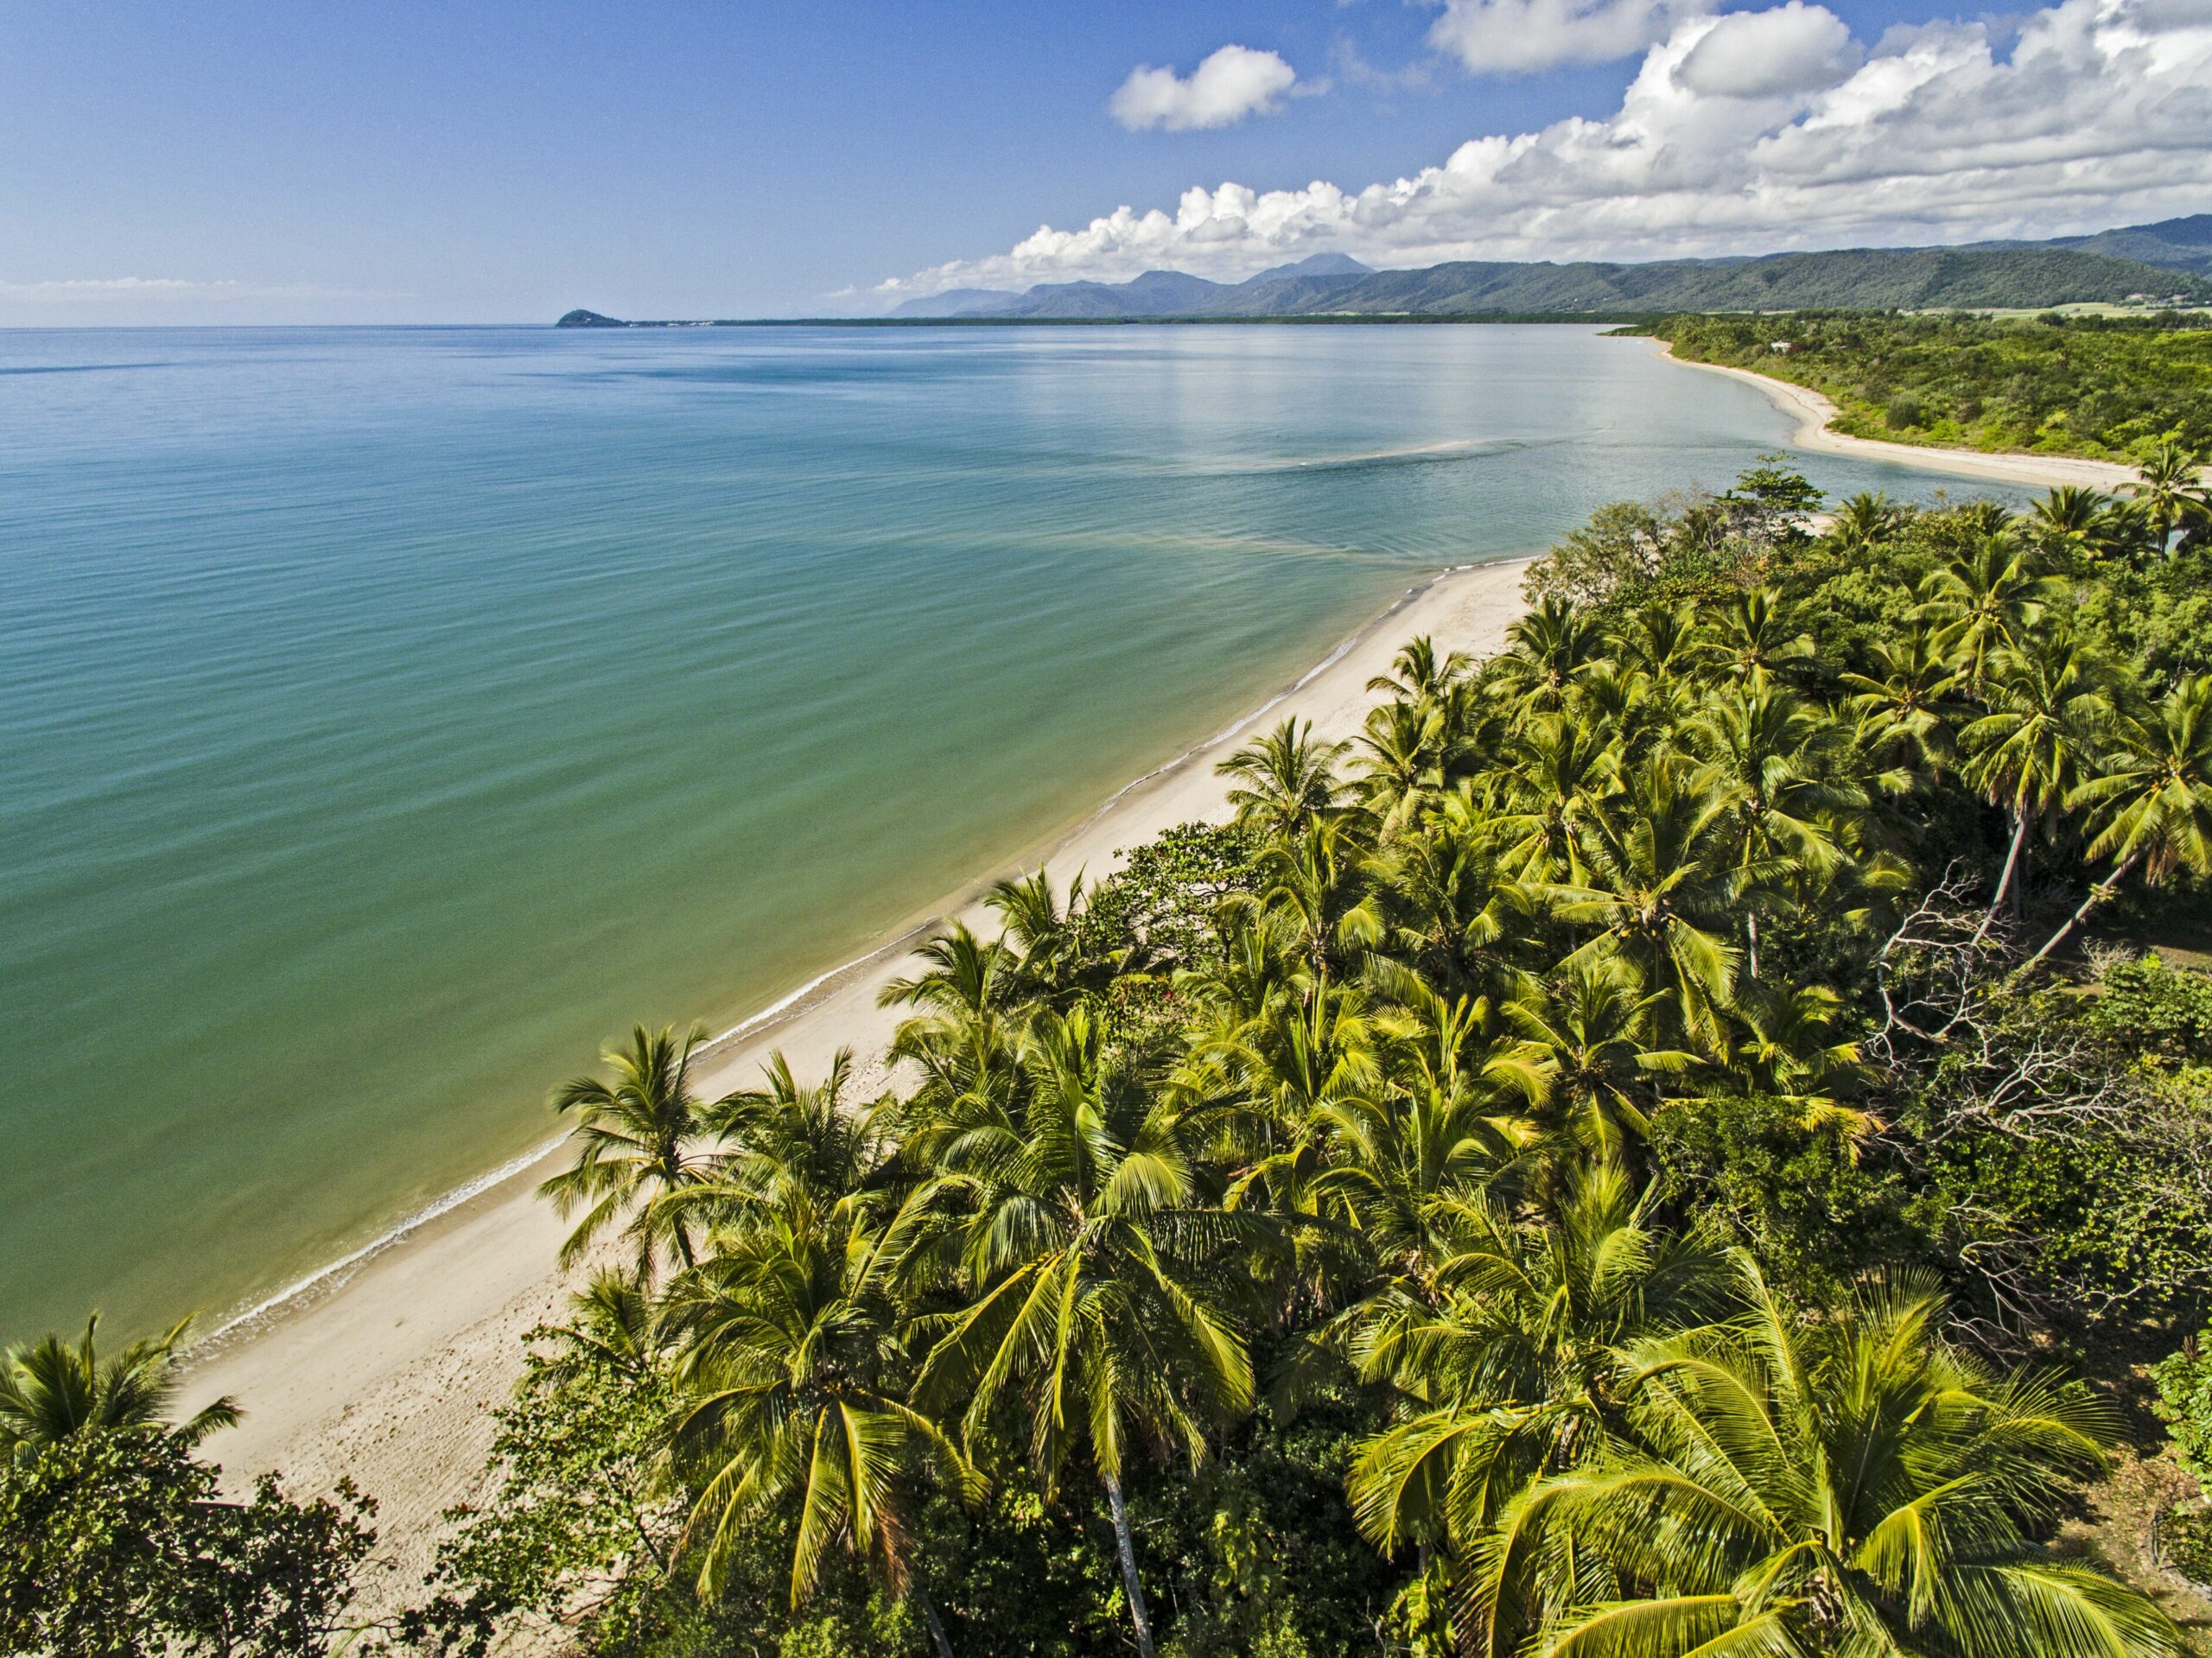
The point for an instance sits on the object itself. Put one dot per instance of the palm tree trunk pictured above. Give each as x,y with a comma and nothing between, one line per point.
2103,890
1128,1548
2005,881
1751,938
672,1179
936,1624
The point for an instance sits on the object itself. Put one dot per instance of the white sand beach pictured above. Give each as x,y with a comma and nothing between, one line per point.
386,1370
1815,411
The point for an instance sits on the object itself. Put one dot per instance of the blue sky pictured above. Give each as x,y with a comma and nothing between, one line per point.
385,163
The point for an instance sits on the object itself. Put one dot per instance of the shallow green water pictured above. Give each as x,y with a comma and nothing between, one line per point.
387,716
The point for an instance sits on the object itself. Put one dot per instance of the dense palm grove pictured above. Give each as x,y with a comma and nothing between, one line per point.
1630,1156
2114,387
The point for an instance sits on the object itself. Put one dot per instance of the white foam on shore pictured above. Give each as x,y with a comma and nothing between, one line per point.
1243,721
422,1217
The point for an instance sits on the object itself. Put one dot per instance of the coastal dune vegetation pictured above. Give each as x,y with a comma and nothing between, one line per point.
1670,1143
2136,388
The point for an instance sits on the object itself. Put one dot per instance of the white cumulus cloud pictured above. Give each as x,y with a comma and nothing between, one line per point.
1231,83
1758,130
1792,48
1517,37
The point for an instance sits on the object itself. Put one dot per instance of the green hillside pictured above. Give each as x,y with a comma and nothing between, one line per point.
1871,279
1858,278
2178,244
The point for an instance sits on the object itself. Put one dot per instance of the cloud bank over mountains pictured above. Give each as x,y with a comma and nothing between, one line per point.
1744,131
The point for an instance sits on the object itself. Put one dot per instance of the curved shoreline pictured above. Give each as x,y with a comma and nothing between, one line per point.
243,1326
383,1366
1814,411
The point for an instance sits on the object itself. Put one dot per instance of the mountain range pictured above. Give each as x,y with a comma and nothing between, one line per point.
2113,265
2167,263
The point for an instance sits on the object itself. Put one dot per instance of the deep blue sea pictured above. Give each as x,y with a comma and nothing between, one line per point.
387,716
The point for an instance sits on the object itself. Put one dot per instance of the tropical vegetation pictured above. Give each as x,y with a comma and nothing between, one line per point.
1668,1142
115,1540
2114,387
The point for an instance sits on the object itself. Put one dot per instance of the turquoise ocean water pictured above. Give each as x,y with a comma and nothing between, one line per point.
389,716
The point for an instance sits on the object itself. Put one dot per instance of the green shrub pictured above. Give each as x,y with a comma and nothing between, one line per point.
114,1545
2158,1009
2186,1541
2185,1403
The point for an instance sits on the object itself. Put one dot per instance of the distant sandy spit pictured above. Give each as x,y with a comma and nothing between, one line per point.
1815,411
386,1371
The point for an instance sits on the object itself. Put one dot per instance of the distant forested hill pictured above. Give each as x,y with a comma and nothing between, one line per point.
2112,387
2177,243
1853,278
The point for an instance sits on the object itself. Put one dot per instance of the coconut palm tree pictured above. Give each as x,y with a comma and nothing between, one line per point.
2073,521
1042,932
1752,637
2153,798
1418,675
51,1390
1589,1057
613,1322
638,1141
2170,490
1793,1487
1434,1122
1863,521
1627,708
1786,1044
1257,963
1081,1246
1285,782
785,1141
1660,882
1447,905
1545,651
1557,772
1778,762
1522,1370
1909,704
1986,519
1406,755
791,1360
1985,600
1268,1084
1316,889
961,1036
2048,706
1660,639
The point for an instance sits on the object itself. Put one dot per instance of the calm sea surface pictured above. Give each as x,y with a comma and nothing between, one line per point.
388,717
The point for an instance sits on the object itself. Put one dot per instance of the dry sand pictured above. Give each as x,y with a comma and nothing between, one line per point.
386,1370
1815,411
